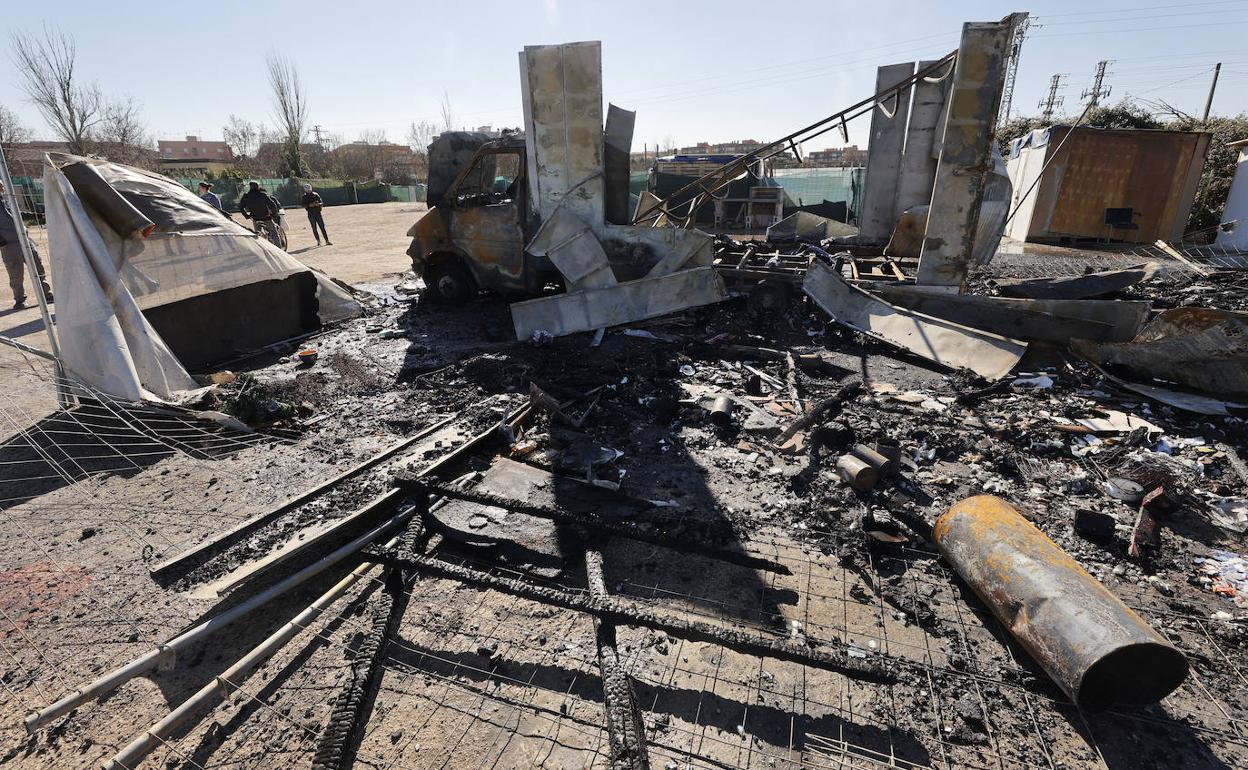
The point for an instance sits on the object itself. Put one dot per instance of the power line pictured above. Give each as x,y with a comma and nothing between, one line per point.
1133,9
1124,30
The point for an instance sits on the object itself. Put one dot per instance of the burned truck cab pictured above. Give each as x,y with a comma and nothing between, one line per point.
478,222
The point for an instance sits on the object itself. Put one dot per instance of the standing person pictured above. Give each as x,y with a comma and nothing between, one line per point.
209,197
312,203
14,261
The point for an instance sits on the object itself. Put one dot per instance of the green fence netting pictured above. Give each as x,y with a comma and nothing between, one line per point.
333,192
811,186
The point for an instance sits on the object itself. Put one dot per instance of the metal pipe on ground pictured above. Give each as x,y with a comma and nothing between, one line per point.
219,687
827,654
188,560
149,660
1091,644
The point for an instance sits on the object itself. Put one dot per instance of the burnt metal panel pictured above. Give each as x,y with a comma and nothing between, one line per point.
618,144
966,154
562,87
493,242
888,133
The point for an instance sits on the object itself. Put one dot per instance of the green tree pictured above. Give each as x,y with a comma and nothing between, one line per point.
1215,181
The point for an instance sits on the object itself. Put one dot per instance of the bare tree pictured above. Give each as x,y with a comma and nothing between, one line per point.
364,157
12,131
45,66
242,136
448,114
419,137
290,101
121,134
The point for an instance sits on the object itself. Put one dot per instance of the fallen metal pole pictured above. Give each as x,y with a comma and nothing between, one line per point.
625,732
219,687
155,656
22,346
36,281
188,560
830,655
1090,643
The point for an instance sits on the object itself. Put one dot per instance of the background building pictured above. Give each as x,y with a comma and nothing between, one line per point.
194,156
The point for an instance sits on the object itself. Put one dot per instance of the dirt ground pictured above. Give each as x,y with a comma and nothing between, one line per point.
477,678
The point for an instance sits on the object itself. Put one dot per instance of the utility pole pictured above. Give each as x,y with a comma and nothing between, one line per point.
1050,103
1209,102
1011,66
316,131
1099,89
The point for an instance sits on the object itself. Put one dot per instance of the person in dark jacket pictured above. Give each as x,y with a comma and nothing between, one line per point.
259,207
14,261
312,203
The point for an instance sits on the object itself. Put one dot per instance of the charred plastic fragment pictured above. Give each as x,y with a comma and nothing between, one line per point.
1091,644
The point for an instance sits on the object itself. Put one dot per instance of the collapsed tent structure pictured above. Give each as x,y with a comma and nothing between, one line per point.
152,282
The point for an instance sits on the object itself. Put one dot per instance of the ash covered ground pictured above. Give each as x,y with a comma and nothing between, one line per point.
474,678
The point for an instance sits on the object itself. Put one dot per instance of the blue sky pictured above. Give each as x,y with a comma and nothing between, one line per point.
694,71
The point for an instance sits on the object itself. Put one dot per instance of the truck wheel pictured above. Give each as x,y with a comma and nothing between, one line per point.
450,281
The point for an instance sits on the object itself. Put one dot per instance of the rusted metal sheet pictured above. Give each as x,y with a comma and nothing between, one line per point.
1079,286
627,302
966,154
943,342
1090,643
1199,347
1152,173
562,89
1054,320
492,239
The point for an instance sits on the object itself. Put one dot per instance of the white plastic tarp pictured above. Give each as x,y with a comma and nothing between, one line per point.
194,250
105,341
104,281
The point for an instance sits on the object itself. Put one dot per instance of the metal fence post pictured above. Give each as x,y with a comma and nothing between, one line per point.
32,270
